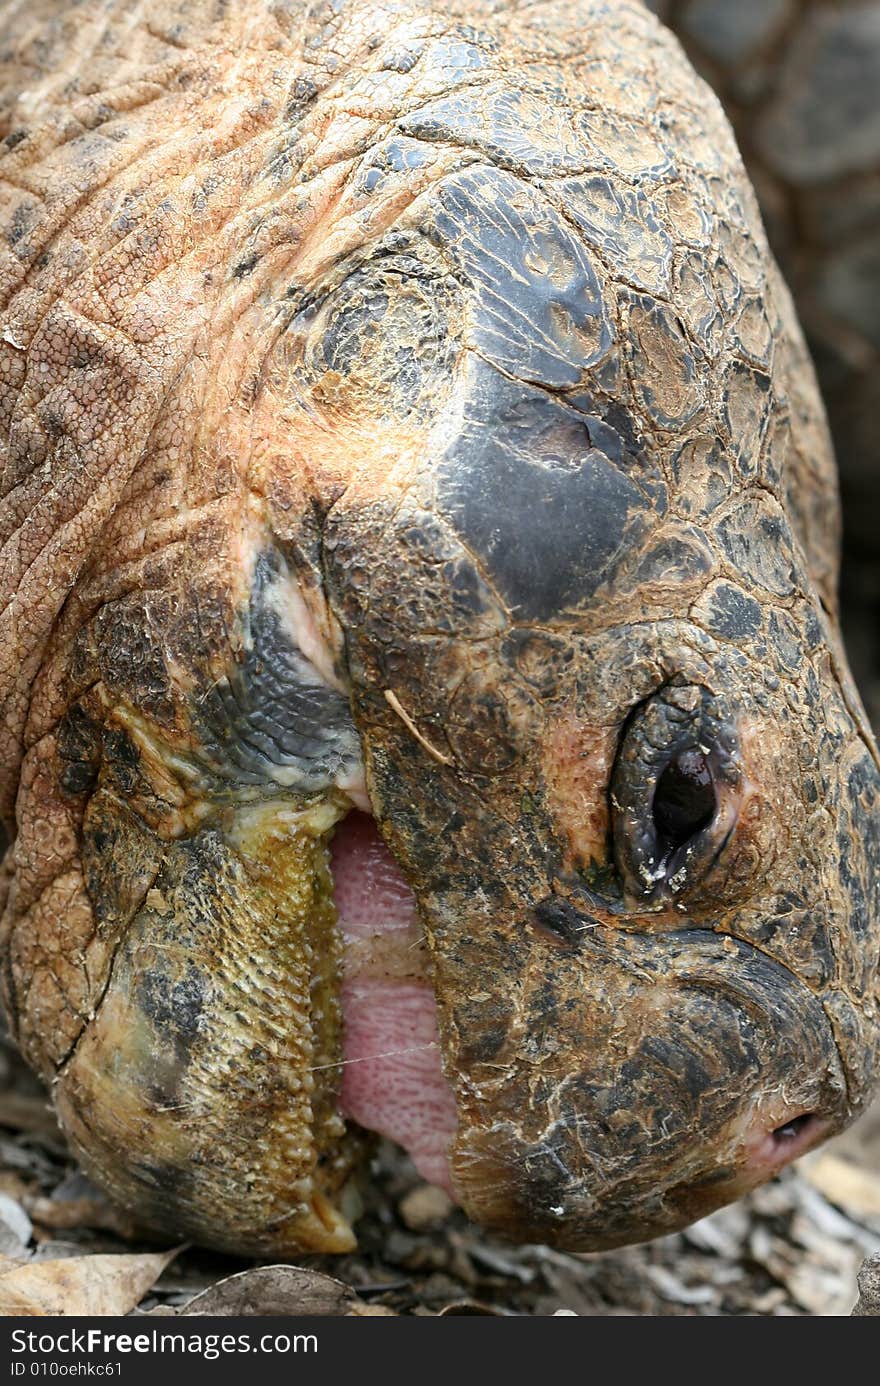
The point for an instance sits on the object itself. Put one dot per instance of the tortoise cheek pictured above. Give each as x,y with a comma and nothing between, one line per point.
202,1092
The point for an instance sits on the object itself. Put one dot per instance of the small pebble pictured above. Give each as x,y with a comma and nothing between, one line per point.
15,1226
869,1289
425,1206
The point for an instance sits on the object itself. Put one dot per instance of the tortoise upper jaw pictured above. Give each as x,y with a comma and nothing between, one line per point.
583,1215
655,1078
762,1152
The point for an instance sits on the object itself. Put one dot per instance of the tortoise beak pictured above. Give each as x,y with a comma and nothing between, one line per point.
678,1074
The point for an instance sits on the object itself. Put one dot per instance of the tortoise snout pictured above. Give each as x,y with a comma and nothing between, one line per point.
767,1148
712,1075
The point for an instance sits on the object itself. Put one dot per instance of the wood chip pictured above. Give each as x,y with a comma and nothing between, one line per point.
15,1226
21,1112
70,1213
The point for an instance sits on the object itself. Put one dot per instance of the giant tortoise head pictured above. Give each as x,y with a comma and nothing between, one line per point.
405,417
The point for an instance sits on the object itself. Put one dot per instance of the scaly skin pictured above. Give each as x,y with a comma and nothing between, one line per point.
444,341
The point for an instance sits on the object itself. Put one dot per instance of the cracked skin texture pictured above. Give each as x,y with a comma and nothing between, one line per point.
466,311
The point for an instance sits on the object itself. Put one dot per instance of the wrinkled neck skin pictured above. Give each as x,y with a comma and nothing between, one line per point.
403,413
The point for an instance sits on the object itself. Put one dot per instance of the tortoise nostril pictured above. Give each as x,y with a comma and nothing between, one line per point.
684,799
794,1129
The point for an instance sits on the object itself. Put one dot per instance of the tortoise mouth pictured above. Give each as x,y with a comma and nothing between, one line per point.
392,1075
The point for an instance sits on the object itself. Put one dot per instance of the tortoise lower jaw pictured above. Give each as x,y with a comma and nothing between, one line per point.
246,1029
194,1094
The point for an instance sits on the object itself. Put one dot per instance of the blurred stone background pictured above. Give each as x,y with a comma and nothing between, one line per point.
800,79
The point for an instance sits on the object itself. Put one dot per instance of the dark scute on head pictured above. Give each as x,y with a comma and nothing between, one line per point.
540,506
732,613
685,1064
538,657
392,156
621,220
499,121
537,311
756,540
274,712
858,842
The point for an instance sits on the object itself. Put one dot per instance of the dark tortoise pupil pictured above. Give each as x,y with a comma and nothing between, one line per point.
684,800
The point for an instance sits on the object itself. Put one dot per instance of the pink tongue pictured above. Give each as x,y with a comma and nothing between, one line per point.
392,1081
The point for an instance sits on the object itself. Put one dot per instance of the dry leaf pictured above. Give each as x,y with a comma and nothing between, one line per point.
89,1285
66,1213
275,1290
472,1308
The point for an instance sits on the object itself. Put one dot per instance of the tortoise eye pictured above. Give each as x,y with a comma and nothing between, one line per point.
684,800
675,792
